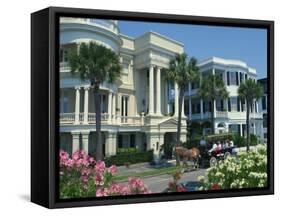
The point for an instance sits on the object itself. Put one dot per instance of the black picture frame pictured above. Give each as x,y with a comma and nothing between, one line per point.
45,115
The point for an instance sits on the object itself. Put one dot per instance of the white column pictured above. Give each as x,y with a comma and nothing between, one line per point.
176,113
167,97
215,108
151,90
158,91
109,106
182,111
86,104
201,108
110,144
75,141
119,104
85,141
113,106
241,130
190,108
77,105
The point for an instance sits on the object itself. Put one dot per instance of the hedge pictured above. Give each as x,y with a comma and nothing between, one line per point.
129,158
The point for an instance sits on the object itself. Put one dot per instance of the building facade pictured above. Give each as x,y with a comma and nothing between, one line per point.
135,109
263,105
230,113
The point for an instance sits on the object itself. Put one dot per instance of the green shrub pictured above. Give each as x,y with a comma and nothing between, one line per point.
253,140
126,150
219,137
239,141
248,170
129,158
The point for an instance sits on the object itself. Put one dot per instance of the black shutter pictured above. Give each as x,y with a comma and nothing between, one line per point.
239,129
227,76
229,105
210,106
204,107
237,81
238,104
240,77
246,76
120,141
198,108
222,105
132,140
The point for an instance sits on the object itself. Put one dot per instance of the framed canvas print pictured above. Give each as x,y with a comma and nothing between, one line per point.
138,107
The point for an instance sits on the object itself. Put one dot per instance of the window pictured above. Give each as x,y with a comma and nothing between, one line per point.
265,120
124,106
233,101
233,80
125,68
241,77
132,140
64,105
263,100
63,55
228,78
237,80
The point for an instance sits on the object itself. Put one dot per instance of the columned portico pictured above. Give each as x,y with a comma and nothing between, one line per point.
75,141
113,107
151,90
85,141
109,107
110,143
176,113
77,104
86,104
158,91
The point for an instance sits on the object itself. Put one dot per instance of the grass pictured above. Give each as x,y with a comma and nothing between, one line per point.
160,171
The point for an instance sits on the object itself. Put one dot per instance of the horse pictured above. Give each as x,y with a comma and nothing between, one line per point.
188,155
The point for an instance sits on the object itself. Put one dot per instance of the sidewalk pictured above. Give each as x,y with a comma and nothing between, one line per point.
143,167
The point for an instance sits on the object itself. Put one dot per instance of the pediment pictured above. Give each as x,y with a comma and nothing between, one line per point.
171,122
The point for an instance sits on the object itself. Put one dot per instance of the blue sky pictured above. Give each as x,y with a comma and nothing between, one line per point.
246,44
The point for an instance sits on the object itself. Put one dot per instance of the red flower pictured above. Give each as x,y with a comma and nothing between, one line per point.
181,189
215,186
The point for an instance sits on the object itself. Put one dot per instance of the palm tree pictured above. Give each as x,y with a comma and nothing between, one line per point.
182,70
212,87
249,91
95,63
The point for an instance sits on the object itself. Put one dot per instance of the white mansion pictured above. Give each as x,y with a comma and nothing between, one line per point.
140,109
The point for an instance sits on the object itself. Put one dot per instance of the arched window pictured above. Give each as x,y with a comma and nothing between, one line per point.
221,124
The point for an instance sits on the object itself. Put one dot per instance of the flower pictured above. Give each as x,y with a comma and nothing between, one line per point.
100,166
181,189
112,169
100,192
98,179
215,186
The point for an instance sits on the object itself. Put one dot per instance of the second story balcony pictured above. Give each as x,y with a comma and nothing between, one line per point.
106,119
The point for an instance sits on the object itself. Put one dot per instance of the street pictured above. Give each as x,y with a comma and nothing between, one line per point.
157,184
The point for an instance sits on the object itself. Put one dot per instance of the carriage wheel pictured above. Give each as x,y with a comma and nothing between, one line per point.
213,162
226,155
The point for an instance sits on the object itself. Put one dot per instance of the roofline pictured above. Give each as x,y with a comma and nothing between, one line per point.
162,36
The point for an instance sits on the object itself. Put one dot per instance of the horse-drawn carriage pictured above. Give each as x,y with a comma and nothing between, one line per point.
211,157
204,156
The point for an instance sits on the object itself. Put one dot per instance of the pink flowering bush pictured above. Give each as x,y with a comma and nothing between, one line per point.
173,186
82,176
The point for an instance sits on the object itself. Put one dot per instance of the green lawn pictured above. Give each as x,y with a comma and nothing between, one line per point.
160,171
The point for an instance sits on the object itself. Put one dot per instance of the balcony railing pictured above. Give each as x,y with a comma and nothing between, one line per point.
69,118
111,25
221,114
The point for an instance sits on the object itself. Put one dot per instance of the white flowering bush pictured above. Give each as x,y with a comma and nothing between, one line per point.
247,170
